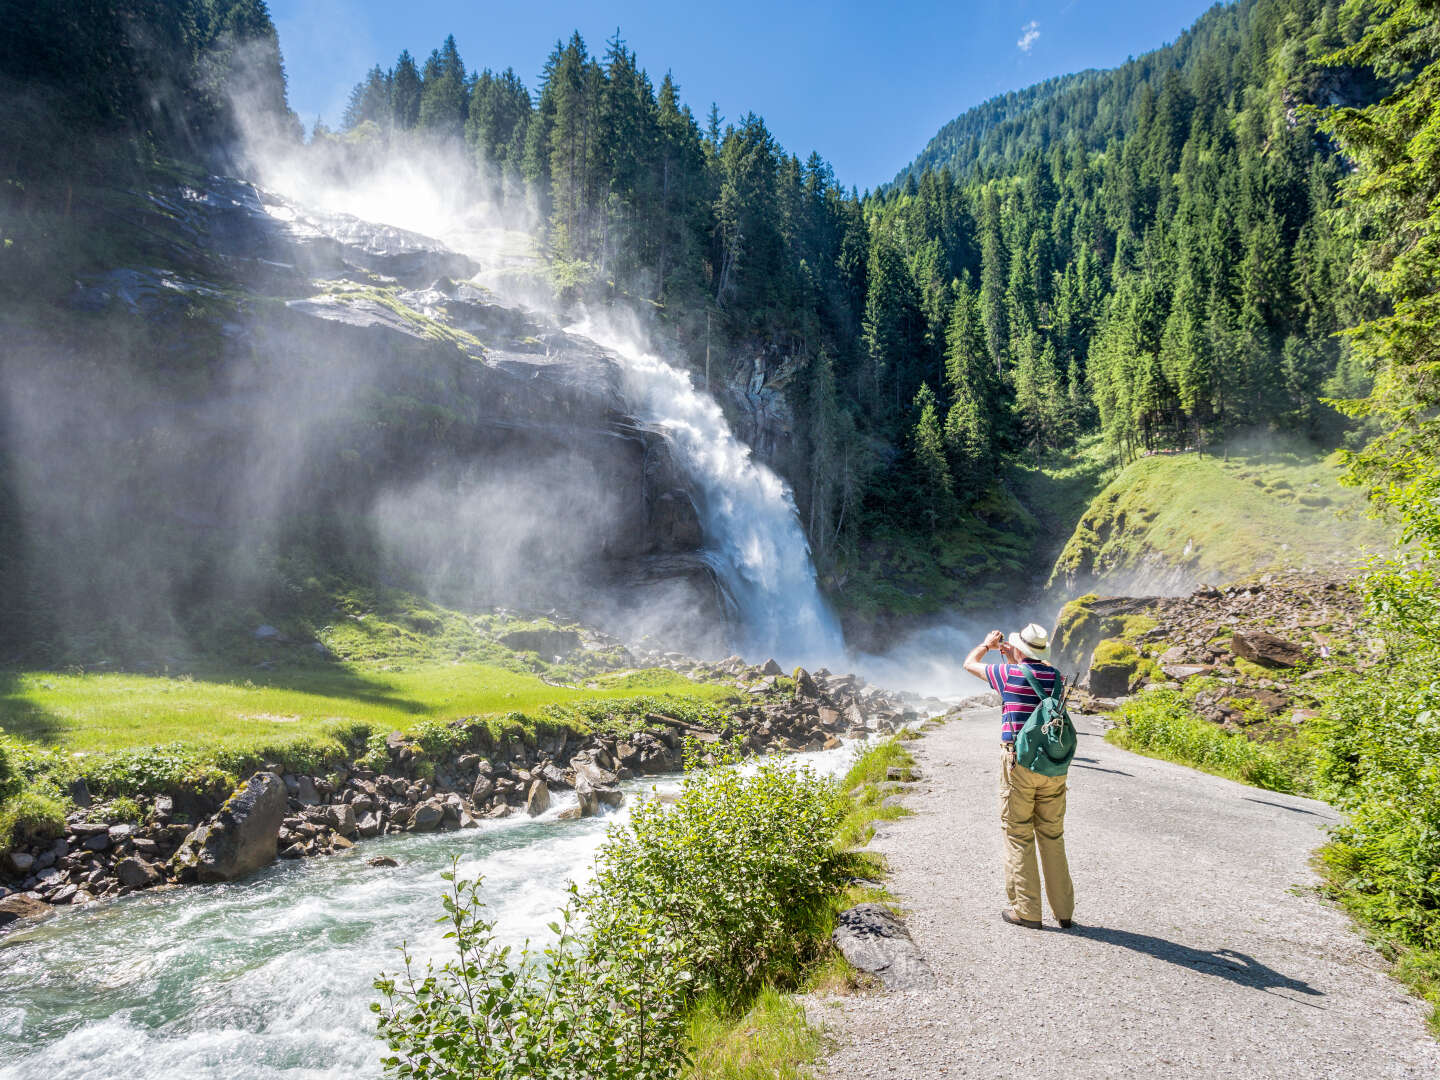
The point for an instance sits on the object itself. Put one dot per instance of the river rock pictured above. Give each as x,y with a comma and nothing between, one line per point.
242,837
589,805
484,788
22,906
1259,647
369,825
137,873
538,799
341,818
381,861
21,863
585,766
873,939
427,817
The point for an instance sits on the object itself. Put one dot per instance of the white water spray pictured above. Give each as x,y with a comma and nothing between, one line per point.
752,532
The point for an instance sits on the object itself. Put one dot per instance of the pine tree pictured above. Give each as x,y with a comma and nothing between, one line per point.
970,383
934,495
444,95
405,92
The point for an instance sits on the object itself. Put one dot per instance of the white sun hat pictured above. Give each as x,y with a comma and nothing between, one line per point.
1033,641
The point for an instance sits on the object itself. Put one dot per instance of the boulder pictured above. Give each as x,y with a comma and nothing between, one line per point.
484,788
242,837
1110,681
427,817
22,906
341,818
770,667
1259,647
538,799
305,792
21,863
610,796
589,805
587,767
137,873
381,861
873,939
804,685
542,641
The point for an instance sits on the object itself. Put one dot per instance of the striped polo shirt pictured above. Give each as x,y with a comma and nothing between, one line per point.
1018,701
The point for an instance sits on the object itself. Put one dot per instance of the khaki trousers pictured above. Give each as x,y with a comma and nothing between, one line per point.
1032,811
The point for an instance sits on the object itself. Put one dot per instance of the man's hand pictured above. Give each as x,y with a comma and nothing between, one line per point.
975,662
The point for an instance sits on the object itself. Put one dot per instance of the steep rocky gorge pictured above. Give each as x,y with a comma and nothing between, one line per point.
256,380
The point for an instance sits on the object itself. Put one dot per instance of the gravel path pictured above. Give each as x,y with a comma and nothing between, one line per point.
1197,950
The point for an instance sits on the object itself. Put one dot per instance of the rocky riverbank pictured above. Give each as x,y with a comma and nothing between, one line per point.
179,839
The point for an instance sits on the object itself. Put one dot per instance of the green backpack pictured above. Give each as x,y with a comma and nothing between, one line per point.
1047,741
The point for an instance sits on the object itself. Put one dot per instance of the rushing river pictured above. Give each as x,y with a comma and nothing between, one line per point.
271,976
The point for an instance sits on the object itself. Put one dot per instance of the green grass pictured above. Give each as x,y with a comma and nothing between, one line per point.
1159,723
1221,520
241,709
769,1039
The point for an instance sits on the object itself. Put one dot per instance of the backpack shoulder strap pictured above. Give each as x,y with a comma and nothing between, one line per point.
1035,685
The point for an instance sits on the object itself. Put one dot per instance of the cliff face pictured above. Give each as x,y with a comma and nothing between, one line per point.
260,386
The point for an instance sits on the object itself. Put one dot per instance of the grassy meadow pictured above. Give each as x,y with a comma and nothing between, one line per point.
243,709
1221,519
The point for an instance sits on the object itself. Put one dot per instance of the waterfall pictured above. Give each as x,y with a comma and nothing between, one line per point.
752,532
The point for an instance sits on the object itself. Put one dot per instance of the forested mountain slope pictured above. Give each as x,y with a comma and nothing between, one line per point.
1144,251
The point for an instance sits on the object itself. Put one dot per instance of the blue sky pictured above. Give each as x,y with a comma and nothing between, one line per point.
866,85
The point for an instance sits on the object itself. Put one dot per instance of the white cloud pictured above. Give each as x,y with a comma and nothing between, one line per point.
1028,33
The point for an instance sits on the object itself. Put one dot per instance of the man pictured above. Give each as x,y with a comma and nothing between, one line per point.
1032,806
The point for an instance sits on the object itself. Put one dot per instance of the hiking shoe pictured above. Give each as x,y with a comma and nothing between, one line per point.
1065,924
1015,920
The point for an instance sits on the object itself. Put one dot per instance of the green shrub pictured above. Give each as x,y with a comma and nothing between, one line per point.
580,1008
31,817
1160,722
10,779
735,869
126,809
173,767
1381,764
706,898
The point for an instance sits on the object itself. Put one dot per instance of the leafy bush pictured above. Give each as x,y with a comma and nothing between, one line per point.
173,767
1160,722
126,809
706,898
734,868
10,779
577,1009
31,817
1381,764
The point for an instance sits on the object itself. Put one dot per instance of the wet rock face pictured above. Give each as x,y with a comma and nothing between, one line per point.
378,333
242,837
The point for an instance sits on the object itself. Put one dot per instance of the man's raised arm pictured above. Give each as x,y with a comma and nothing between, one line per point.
975,662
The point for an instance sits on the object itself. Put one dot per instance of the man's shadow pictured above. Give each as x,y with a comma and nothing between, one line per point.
1237,967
